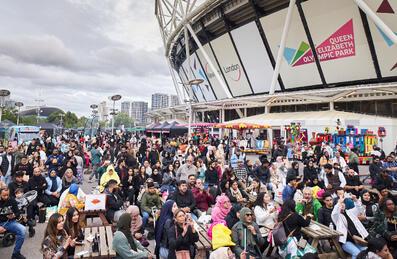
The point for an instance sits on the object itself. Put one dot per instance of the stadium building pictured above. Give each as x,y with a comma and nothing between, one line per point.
278,56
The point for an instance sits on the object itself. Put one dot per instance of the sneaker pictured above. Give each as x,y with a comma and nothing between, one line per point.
18,256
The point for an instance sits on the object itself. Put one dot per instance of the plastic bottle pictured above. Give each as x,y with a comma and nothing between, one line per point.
331,226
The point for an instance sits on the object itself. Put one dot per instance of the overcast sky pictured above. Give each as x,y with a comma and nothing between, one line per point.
77,52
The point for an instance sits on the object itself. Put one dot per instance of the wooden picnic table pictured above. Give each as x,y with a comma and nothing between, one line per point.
93,214
317,232
105,234
204,245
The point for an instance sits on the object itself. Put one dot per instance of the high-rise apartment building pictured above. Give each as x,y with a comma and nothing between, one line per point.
138,111
126,107
103,111
174,100
160,101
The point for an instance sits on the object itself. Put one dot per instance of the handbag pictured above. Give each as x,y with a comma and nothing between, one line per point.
182,254
279,235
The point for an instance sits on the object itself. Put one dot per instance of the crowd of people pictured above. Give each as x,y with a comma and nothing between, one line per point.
160,189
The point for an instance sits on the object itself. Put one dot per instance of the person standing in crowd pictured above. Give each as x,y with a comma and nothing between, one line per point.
7,165
9,212
96,156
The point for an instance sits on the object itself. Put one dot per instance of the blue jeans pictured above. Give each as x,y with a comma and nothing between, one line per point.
145,218
352,249
19,230
6,179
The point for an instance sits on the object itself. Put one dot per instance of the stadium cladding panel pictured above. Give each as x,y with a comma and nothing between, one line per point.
242,39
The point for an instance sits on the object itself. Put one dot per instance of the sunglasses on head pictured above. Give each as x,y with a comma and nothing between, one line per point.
248,214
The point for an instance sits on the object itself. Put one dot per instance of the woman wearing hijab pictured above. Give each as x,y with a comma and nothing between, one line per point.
246,236
136,225
54,187
368,209
110,174
124,243
163,224
221,209
222,253
71,199
235,194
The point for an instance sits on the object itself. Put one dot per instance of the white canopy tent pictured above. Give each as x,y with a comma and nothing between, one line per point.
317,121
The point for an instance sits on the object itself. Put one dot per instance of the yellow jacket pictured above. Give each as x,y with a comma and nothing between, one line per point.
106,177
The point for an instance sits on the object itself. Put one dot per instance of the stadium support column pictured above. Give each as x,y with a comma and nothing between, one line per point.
282,46
212,66
378,22
178,91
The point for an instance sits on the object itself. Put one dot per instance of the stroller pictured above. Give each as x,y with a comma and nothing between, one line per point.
23,203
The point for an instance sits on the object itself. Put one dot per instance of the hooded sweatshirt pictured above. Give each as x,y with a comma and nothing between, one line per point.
106,177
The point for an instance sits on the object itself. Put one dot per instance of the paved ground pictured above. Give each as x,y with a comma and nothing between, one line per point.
31,247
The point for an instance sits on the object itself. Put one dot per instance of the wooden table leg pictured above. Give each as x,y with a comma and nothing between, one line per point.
103,218
315,243
339,248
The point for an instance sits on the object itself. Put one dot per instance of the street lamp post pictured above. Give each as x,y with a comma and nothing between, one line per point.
196,81
114,98
3,94
19,105
94,111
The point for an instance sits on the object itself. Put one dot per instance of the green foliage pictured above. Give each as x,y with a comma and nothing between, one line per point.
10,114
123,119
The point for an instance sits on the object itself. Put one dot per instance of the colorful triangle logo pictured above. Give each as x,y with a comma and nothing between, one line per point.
385,7
289,54
303,48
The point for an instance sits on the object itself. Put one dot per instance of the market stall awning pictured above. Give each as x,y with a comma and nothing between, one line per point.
241,125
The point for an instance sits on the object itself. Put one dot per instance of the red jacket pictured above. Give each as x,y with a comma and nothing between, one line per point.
203,199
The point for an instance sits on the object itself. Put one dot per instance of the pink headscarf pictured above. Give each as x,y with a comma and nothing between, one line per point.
219,212
136,222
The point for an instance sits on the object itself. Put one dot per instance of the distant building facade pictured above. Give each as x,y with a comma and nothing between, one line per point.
103,111
126,107
174,100
138,112
160,101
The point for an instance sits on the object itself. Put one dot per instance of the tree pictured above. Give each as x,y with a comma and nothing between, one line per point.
81,123
123,119
55,117
9,114
70,120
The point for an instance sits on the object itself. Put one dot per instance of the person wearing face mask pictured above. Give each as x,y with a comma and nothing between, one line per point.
246,236
54,187
7,166
8,213
114,202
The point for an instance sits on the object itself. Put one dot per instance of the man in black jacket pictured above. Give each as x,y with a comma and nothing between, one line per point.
25,166
324,213
184,198
7,165
262,171
8,213
38,183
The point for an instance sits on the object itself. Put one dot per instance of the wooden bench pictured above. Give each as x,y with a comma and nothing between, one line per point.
105,234
317,232
204,245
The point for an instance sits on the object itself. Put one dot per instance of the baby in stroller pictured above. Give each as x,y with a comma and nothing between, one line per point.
24,200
